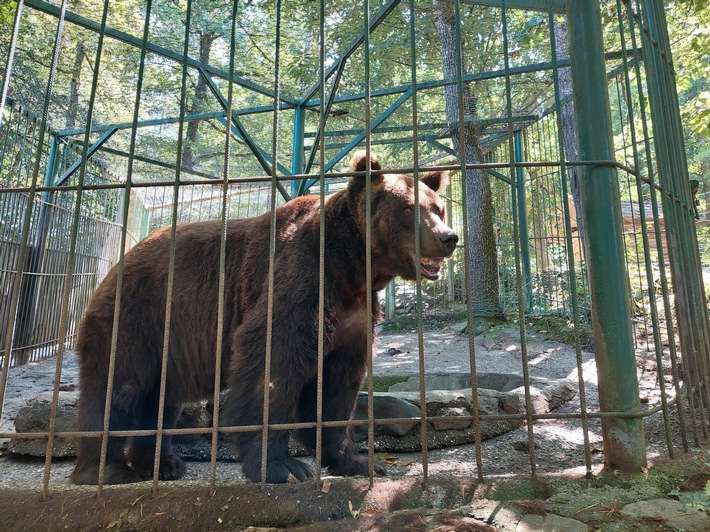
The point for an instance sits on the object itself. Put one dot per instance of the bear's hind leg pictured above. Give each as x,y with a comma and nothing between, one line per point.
142,449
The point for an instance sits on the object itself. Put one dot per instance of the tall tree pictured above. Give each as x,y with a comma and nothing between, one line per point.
569,123
481,243
75,85
206,39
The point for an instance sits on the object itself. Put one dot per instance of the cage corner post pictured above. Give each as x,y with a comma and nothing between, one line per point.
298,147
624,442
523,219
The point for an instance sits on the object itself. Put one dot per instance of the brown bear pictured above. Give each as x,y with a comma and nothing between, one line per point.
294,341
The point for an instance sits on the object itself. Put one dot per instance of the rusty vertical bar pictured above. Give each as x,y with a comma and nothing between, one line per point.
272,249
690,304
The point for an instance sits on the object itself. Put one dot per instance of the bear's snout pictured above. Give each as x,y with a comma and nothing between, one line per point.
448,240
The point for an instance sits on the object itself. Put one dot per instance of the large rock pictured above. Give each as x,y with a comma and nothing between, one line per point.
671,513
385,407
34,417
450,412
549,523
451,409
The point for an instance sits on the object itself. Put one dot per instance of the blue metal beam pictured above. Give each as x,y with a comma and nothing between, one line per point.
298,147
89,152
523,218
558,6
498,175
375,21
481,123
328,107
373,126
623,437
161,164
360,136
443,147
238,129
345,98
140,123
478,76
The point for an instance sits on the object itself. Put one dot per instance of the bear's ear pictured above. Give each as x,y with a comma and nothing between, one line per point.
435,180
359,162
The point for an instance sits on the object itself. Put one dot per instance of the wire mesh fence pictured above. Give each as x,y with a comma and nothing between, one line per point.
35,326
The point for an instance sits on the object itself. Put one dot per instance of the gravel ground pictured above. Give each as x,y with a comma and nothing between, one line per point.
559,443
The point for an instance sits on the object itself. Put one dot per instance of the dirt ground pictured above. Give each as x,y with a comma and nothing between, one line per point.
351,505
451,499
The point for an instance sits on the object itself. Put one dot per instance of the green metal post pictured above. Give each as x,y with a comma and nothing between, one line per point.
450,263
624,446
298,148
145,224
390,302
686,273
523,219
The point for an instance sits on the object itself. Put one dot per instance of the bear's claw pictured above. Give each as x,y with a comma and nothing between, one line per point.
278,470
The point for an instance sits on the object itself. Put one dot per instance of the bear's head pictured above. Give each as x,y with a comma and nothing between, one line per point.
392,222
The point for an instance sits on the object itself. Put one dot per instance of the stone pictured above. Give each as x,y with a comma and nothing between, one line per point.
454,418
445,381
674,514
34,417
506,395
385,407
549,523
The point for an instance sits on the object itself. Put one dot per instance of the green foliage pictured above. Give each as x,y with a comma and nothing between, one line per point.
382,384
7,12
700,500
687,494
696,5
563,330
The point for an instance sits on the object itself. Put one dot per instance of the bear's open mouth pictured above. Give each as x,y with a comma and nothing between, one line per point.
431,266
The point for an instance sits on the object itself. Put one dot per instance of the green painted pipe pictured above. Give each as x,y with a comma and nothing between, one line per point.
624,445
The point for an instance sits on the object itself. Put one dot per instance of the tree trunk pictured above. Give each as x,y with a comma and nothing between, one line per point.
569,127
73,107
481,244
188,157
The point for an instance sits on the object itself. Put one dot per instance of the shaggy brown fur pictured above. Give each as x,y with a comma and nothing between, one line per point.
193,325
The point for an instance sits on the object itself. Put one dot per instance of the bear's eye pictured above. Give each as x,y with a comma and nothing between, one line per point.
409,210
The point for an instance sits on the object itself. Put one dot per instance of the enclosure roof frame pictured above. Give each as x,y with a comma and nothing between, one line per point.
557,6
284,101
89,24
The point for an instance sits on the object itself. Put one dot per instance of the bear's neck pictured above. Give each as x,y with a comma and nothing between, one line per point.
345,246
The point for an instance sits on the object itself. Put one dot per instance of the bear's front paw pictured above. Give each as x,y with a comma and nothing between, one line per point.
355,466
115,473
172,467
278,470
